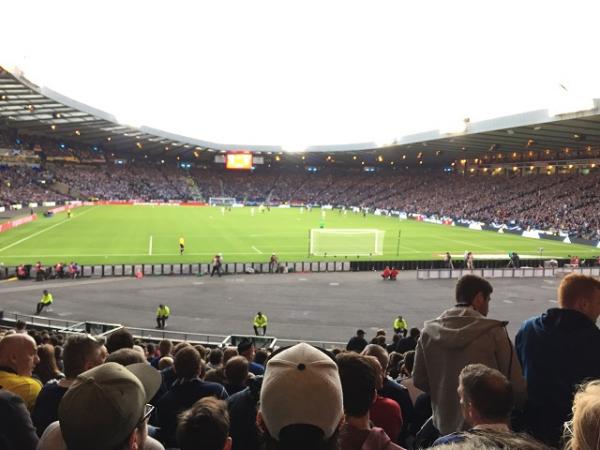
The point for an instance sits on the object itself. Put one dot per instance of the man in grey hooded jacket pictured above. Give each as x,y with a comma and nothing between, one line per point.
463,335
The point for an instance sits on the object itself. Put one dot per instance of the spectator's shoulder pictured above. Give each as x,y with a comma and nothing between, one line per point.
449,439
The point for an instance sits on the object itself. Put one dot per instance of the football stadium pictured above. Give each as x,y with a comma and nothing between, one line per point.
162,288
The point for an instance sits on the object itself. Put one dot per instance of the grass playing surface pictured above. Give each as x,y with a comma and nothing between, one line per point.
150,234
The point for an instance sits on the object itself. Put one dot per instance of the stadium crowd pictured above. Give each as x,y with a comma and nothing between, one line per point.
561,202
457,383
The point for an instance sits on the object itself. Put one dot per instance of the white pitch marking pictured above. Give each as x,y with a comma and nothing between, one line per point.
256,250
552,301
150,247
199,283
334,284
26,238
507,301
302,279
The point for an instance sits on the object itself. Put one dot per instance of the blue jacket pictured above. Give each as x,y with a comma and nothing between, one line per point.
557,350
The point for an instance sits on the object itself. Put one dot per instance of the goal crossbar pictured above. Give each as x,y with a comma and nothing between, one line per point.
345,241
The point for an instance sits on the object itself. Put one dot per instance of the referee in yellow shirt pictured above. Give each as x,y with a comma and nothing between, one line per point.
181,245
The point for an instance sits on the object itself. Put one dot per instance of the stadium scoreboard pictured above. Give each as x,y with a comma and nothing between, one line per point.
238,161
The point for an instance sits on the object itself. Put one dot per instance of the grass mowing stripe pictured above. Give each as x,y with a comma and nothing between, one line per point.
26,238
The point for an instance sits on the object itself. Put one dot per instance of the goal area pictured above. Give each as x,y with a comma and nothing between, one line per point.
221,201
345,242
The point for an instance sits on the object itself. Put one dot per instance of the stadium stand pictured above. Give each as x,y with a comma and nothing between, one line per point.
560,202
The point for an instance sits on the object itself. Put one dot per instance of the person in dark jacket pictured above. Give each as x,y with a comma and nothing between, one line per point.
559,350
188,388
16,429
357,343
243,407
408,343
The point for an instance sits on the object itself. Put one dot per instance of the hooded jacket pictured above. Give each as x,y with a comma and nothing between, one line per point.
558,350
459,337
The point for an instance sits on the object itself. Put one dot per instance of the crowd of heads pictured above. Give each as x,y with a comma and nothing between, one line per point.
430,387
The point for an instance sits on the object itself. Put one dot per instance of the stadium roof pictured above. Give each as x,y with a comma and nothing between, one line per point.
39,111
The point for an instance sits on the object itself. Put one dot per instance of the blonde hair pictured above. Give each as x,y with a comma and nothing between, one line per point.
583,432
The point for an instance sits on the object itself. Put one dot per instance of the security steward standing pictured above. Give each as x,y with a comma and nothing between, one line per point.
260,321
400,326
46,300
162,314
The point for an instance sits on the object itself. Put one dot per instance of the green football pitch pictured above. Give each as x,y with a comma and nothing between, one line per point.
150,234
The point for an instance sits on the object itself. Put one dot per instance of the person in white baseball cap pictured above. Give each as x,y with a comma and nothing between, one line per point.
301,402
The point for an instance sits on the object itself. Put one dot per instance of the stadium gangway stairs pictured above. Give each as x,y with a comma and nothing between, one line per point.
522,272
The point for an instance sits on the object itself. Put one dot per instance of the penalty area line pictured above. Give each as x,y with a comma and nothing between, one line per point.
257,250
150,247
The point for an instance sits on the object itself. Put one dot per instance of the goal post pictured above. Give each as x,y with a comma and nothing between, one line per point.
345,242
221,201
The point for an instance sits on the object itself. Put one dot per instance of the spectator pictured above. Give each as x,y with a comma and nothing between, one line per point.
390,389
243,408
236,374
165,347
569,335
20,327
121,338
46,369
407,381
359,386
246,349
260,356
215,359
357,343
409,343
105,408
583,430
18,357
229,353
151,351
81,353
165,362
462,335
205,426
126,356
188,388
16,430
384,412
301,400
486,400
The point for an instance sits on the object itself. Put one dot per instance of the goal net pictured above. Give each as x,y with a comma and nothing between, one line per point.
221,201
346,241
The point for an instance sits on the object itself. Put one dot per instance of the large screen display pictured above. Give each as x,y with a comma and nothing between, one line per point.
239,161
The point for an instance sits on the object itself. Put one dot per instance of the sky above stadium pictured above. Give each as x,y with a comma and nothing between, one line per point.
308,72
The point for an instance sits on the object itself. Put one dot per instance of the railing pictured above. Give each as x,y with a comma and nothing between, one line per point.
523,272
152,334
200,269
322,344
149,334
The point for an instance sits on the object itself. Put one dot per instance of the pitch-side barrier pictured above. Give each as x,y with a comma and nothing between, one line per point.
523,272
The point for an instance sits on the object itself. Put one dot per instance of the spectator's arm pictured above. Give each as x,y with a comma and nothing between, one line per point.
419,373
509,365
